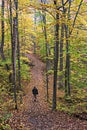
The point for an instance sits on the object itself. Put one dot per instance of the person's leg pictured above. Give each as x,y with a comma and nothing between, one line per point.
34,97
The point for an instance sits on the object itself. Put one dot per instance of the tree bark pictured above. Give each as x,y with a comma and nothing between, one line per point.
67,67
46,44
61,57
56,57
14,60
2,30
45,34
3,36
18,46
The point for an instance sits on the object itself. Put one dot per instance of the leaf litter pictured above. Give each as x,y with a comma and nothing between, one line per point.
38,115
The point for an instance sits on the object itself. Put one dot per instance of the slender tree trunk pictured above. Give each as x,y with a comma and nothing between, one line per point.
68,34
18,50
75,16
2,31
35,30
14,60
18,46
56,57
11,28
8,16
61,49
45,35
67,67
61,57
18,57
46,45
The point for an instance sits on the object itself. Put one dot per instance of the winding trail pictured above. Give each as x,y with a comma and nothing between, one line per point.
38,115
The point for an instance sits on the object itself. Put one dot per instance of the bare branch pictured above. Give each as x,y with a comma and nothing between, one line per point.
76,16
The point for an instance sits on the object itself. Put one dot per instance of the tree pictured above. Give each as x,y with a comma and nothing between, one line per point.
67,64
2,31
61,48
18,45
14,46
46,45
56,56
68,34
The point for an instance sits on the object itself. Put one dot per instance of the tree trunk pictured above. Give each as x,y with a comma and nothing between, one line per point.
46,44
56,57
61,49
45,34
2,31
14,60
18,50
68,33
11,28
34,30
18,45
61,57
67,67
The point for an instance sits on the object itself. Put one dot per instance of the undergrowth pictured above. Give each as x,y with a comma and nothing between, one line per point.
76,103
6,101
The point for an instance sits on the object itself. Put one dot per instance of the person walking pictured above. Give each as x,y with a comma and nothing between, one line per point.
35,93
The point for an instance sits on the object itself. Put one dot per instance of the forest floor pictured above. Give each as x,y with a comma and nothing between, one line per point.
39,115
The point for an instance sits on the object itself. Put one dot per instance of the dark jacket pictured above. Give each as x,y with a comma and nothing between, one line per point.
35,91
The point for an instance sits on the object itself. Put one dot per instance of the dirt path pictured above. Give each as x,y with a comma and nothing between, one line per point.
38,115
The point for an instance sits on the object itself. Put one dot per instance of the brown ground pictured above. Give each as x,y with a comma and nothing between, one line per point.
38,115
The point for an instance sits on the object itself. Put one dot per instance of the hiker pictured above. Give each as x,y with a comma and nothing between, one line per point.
35,92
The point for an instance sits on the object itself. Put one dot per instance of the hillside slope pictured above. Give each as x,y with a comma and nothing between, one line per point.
38,115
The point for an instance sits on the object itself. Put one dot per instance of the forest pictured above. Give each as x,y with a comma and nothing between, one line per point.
43,45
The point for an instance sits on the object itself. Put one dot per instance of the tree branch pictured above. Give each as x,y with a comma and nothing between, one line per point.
76,16
63,4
